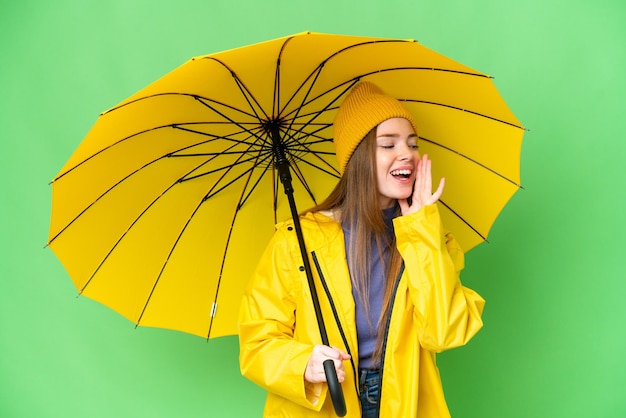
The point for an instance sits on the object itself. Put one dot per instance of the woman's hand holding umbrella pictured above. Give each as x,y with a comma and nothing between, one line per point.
326,365
315,373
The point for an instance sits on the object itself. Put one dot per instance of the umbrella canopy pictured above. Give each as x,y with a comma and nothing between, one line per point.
164,208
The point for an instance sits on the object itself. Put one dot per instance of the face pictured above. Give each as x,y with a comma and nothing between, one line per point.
396,156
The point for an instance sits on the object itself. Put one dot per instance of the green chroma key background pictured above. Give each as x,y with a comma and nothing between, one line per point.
553,273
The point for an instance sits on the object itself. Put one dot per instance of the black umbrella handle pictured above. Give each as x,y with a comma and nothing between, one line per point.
282,165
334,387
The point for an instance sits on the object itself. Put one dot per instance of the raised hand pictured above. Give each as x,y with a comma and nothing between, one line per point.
422,188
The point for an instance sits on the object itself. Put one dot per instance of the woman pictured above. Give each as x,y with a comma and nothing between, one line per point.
386,272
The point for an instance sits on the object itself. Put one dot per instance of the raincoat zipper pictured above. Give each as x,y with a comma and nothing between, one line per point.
343,335
386,334
336,316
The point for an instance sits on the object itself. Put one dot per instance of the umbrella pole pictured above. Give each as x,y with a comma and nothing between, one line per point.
283,167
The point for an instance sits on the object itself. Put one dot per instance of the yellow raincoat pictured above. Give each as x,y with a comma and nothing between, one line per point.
431,312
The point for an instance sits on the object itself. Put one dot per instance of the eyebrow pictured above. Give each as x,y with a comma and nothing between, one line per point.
394,136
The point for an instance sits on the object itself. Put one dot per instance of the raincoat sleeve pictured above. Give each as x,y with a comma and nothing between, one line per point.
446,313
270,356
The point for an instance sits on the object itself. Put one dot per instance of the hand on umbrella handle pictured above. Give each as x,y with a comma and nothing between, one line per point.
334,387
326,365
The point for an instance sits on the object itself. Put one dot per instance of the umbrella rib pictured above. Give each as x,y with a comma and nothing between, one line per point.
247,94
175,244
214,192
293,142
276,96
473,161
173,247
167,259
108,147
302,180
231,120
304,102
110,188
200,99
276,108
351,82
213,155
133,223
315,74
305,147
206,173
219,278
261,152
317,70
291,137
124,178
191,95
119,240
145,131
256,183
464,110
463,220
333,172
250,145
213,137
227,244
137,134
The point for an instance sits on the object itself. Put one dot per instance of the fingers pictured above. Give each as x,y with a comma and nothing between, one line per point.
343,355
439,190
314,371
423,194
422,188
421,179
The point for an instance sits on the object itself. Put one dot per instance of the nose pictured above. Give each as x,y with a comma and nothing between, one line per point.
406,153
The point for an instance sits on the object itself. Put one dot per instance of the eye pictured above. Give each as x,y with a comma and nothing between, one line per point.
386,145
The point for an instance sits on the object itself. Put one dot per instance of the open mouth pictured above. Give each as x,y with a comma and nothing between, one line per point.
404,174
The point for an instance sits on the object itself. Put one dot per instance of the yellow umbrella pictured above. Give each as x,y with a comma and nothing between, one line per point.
163,210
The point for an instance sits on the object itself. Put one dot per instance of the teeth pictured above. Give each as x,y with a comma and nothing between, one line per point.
401,173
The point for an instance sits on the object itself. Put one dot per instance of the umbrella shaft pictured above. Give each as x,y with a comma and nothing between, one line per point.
280,158
307,267
282,165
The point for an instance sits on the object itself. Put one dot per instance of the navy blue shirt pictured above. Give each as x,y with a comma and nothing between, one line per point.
367,325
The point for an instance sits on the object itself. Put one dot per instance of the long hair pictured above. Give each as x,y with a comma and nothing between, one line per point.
356,198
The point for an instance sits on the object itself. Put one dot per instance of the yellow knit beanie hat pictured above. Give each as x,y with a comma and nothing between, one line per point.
364,108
